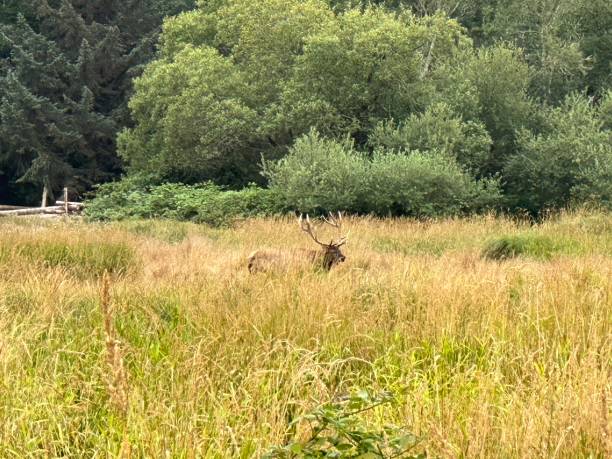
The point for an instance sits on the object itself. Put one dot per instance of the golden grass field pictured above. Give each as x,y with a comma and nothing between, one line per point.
197,358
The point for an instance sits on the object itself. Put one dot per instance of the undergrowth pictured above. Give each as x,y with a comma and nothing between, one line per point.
187,355
536,246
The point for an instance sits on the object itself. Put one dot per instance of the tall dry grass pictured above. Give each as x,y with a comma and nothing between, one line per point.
486,358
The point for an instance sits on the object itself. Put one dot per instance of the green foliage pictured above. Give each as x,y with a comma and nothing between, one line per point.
66,70
82,259
501,79
562,41
381,75
605,111
320,175
590,18
45,120
118,200
570,162
547,32
324,175
337,430
10,10
474,86
437,129
222,70
238,78
529,245
205,203
172,103
426,185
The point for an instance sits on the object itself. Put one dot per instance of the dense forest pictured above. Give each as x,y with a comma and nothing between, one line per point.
415,107
66,72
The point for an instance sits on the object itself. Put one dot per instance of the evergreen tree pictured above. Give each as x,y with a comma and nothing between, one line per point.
11,9
65,78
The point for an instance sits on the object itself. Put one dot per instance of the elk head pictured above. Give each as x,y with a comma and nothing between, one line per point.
329,254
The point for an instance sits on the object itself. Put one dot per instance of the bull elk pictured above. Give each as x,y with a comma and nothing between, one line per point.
325,258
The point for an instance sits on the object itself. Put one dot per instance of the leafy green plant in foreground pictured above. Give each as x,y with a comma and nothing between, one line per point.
337,430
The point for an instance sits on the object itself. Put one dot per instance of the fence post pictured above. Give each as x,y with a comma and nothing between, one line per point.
43,204
66,200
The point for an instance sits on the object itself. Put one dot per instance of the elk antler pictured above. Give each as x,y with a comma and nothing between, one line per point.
336,222
341,241
308,229
333,221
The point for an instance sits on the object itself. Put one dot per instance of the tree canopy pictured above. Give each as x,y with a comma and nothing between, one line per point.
259,80
481,87
66,70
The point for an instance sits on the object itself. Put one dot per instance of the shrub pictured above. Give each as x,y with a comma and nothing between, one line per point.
569,163
529,245
319,175
325,175
438,129
205,203
338,431
425,185
119,200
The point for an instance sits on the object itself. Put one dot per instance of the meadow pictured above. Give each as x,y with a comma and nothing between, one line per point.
493,335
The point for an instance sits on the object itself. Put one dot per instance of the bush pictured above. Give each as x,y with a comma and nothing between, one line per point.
205,203
338,431
438,129
425,185
529,245
569,163
319,175
325,175
119,200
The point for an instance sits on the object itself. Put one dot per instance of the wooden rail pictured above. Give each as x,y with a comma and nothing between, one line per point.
61,207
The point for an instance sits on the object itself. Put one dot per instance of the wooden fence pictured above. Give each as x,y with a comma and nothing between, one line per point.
61,207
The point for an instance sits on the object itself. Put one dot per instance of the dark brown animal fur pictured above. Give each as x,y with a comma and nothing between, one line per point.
325,258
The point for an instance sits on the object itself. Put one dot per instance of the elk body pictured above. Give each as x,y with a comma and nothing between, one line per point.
326,257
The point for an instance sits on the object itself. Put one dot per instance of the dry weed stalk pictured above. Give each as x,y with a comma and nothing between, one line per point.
117,379
605,405
126,449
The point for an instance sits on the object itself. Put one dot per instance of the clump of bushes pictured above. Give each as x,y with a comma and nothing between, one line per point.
434,163
320,175
204,203
528,245
438,128
568,163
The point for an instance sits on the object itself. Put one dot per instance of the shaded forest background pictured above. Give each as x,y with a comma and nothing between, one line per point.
418,107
